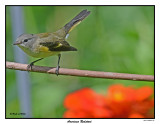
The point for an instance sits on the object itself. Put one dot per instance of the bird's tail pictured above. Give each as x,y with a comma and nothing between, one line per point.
76,20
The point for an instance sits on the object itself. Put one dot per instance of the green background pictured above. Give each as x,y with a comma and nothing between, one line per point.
112,39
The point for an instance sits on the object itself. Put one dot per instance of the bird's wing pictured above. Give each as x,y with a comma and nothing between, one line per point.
58,46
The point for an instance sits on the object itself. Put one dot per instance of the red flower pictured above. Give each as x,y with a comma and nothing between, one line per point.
85,102
119,93
126,101
135,115
77,114
143,93
120,102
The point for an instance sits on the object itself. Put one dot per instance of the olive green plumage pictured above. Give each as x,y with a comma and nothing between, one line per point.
48,44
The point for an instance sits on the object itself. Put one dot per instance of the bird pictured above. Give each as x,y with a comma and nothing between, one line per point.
43,45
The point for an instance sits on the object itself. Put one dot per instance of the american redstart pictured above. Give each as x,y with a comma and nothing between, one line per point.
48,44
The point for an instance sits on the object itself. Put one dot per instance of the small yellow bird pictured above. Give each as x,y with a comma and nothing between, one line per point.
48,44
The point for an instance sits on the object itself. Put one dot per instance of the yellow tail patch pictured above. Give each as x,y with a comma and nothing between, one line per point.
74,26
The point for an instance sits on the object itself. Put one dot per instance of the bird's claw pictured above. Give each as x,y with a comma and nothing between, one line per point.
29,67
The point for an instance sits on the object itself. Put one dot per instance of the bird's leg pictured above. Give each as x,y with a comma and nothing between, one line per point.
32,63
57,68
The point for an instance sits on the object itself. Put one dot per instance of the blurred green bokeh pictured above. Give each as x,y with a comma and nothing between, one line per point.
112,38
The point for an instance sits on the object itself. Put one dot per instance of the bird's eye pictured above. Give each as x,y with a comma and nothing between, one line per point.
25,40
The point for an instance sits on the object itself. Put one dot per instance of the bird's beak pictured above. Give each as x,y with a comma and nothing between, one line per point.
17,43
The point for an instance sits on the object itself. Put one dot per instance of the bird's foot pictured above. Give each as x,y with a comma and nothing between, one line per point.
57,70
29,67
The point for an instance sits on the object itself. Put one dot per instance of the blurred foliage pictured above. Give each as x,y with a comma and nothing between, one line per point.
112,38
